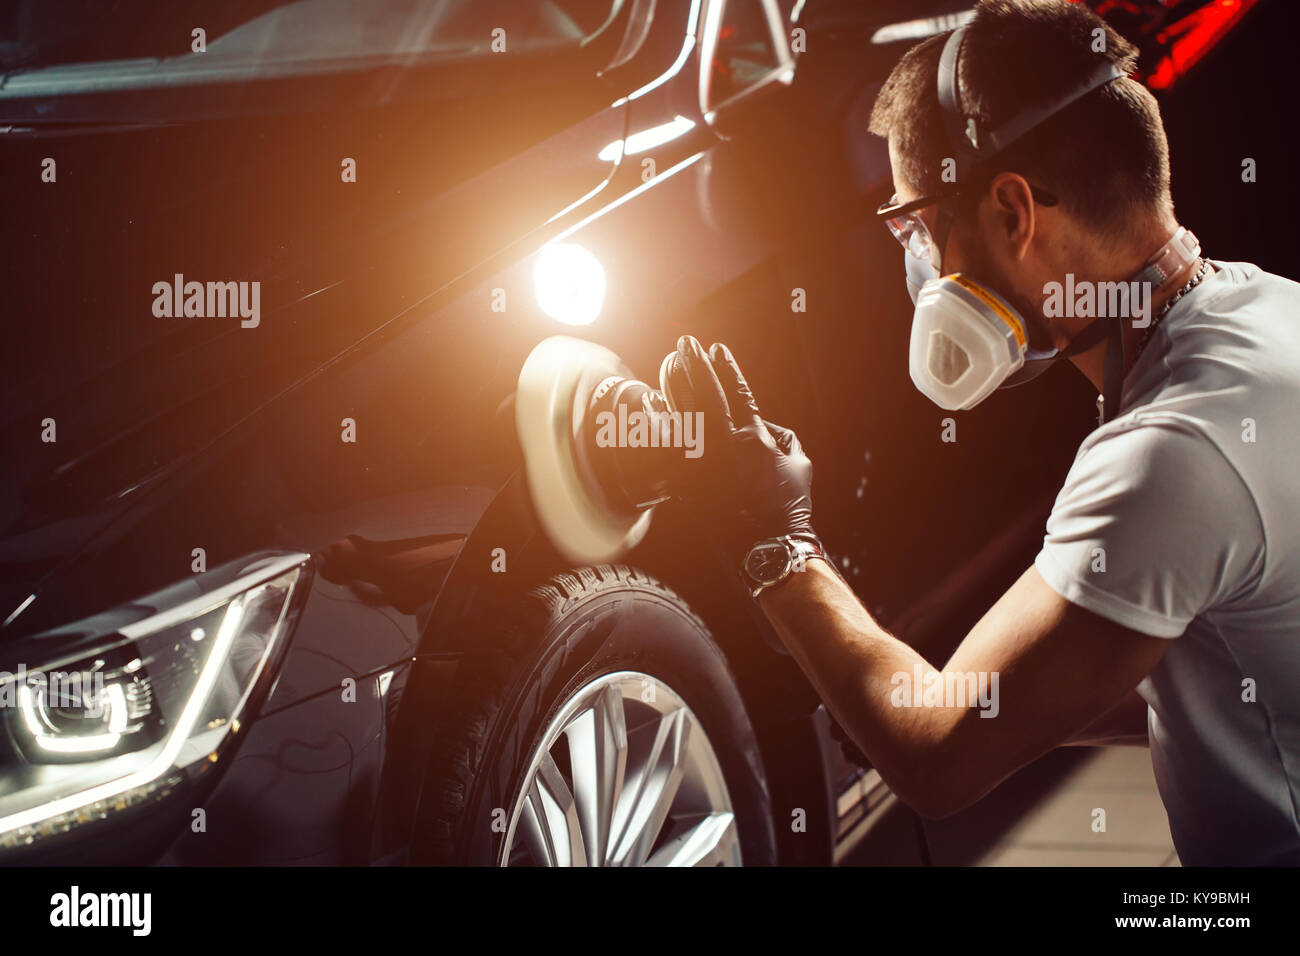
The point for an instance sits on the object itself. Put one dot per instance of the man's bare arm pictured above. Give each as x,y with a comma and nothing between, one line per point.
1059,668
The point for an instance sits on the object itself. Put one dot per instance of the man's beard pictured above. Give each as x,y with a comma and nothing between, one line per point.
984,270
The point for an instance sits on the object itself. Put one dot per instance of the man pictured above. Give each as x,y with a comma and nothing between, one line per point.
1164,606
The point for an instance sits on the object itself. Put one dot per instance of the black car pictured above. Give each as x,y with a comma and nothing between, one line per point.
273,586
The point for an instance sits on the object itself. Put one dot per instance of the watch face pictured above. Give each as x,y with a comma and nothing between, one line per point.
767,563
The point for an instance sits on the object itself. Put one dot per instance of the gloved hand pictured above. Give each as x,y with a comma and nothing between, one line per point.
752,479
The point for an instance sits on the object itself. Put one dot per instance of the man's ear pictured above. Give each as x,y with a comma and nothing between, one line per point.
1013,212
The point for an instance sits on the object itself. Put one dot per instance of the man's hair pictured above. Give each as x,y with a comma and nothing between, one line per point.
1105,155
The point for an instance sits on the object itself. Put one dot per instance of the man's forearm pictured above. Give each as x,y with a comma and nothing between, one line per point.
852,662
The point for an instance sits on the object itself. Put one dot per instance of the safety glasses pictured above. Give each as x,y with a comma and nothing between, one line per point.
905,222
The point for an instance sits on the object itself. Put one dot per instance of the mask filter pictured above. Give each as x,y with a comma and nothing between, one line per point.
966,341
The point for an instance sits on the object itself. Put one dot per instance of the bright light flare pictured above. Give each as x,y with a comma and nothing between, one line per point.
646,139
570,283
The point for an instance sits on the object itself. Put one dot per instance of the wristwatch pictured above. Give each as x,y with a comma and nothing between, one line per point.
772,560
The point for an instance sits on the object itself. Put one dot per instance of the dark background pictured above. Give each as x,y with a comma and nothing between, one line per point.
1240,102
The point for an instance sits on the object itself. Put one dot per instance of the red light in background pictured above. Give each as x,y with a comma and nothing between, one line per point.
1192,37
1185,41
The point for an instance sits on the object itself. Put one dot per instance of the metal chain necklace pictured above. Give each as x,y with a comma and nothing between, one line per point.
1192,283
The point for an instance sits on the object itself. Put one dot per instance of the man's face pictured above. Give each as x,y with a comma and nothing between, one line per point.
983,243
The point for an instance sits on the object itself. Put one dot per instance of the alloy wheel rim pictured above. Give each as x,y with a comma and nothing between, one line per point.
623,775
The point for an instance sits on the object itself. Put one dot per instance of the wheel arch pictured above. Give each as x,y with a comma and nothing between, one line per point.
778,699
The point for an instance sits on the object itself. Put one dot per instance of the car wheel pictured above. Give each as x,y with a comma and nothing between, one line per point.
600,727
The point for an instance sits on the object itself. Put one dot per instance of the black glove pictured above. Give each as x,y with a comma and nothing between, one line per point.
752,478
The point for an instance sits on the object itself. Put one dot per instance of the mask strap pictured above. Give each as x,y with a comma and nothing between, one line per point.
943,226
1168,261
1174,256
1113,375
1112,330
974,144
1090,336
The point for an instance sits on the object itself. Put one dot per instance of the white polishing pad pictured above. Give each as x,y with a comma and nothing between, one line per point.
555,384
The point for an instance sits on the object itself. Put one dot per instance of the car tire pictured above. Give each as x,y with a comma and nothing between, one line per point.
531,735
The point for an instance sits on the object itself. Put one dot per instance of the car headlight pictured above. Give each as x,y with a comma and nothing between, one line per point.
157,689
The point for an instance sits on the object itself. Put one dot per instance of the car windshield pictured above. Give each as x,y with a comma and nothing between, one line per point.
221,35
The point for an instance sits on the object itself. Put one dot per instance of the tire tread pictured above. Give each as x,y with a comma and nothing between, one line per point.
482,682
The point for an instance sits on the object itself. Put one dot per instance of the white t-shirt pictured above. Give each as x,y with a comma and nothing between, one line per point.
1181,519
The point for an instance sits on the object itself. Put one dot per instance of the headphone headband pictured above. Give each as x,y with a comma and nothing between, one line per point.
974,145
